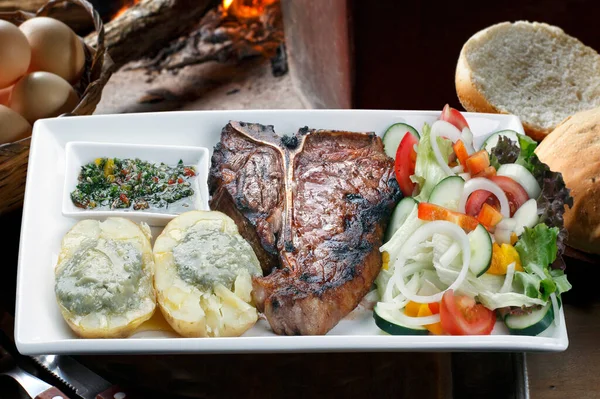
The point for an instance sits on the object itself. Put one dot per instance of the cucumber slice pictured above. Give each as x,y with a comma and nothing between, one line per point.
481,250
394,135
531,324
387,323
491,141
401,212
447,193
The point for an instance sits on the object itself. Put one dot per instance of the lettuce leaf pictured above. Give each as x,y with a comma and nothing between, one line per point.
537,248
538,245
428,173
554,196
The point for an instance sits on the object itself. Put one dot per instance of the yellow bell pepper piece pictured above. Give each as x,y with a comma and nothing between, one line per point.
412,309
502,256
109,167
513,238
385,258
435,328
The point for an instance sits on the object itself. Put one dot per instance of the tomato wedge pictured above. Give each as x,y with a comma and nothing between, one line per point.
454,117
406,158
515,193
461,315
432,212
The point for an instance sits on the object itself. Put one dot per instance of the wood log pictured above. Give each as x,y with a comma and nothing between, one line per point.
23,5
149,25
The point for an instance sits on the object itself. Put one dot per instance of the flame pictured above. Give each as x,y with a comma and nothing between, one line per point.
128,4
246,8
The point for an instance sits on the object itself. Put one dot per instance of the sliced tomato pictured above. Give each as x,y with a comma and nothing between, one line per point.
515,194
434,307
461,152
488,216
406,158
432,212
477,162
461,315
454,117
477,199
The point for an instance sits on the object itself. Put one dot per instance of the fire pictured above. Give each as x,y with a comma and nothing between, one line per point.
246,8
128,4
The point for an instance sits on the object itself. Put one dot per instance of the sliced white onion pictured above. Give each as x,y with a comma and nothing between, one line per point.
508,280
457,169
526,216
521,175
421,234
555,309
413,321
467,138
465,176
481,183
450,255
447,130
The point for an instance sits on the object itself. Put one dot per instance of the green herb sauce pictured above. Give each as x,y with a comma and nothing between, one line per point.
132,184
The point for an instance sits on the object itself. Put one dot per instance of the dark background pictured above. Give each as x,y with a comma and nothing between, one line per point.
406,51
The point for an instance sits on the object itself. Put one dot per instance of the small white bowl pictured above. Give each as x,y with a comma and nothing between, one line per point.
79,153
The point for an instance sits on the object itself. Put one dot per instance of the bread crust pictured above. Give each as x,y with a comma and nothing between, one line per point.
473,100
573,149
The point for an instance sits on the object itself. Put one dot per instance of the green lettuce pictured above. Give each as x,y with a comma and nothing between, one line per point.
428,173
537,248
555,195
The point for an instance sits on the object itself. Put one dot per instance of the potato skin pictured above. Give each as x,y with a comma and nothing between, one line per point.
193,311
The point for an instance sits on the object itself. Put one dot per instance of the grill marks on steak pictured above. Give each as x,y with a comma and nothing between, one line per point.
332,194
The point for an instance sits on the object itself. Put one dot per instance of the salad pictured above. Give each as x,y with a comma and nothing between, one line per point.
478,236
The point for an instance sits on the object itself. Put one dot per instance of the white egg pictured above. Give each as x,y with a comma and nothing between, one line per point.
203,276
55,48
103,278
13,126
15,54
42,95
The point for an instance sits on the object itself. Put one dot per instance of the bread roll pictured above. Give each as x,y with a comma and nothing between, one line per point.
573,149
533,70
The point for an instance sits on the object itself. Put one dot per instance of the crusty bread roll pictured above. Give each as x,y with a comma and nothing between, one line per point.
533,70
573,149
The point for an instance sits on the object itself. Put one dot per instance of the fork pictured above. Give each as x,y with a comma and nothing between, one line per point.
34,387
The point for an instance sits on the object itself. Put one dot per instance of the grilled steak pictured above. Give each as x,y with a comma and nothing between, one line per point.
314,207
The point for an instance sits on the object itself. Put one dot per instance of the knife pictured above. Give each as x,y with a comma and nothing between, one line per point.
83,381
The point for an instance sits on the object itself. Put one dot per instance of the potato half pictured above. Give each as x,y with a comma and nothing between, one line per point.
203,276
103,279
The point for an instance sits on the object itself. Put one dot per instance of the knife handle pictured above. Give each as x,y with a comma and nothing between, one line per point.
114,392
52,393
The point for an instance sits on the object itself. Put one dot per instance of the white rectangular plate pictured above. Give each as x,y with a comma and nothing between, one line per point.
79,153
39,325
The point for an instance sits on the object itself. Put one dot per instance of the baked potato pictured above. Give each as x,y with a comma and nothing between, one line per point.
203,276
103,278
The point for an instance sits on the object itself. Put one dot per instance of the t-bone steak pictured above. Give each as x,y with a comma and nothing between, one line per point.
314,206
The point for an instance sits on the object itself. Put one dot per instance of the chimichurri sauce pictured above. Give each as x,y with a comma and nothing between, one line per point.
131,183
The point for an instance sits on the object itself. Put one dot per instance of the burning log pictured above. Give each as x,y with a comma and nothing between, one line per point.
147,25
222,36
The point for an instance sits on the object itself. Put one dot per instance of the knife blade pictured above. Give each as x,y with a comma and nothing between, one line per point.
83,381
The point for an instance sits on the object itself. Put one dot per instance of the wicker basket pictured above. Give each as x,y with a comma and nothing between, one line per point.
97,71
